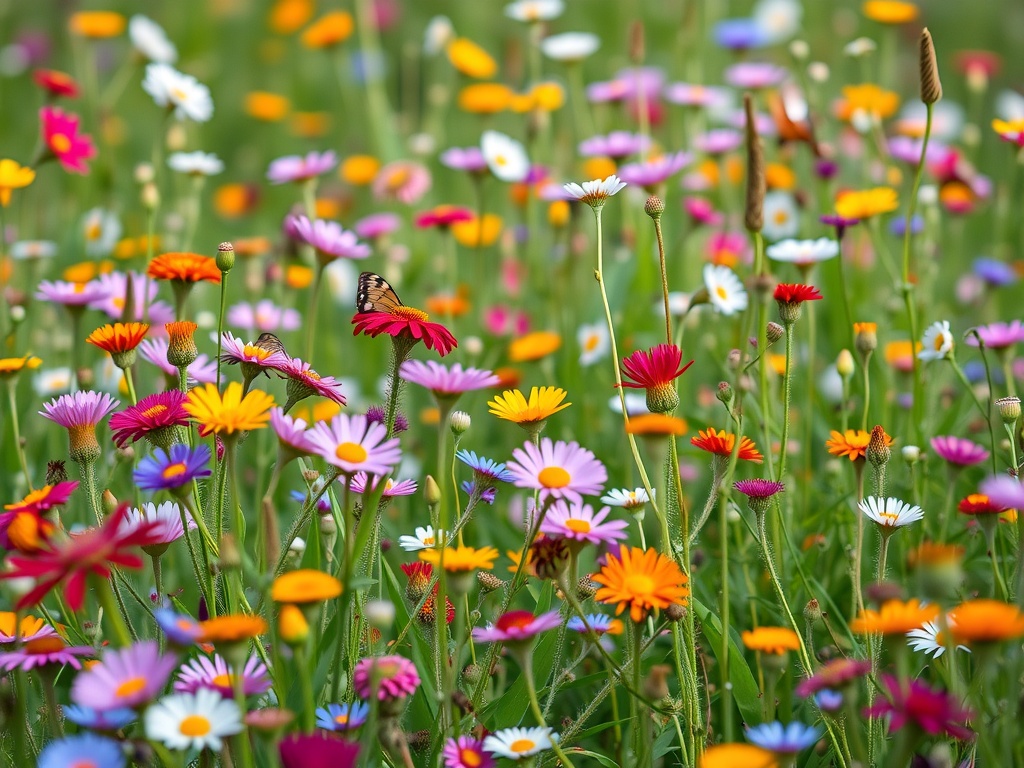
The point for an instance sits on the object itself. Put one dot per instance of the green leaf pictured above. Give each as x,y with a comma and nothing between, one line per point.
602,759
744,687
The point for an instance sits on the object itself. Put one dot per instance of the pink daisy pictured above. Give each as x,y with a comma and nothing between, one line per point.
295,168
560,470
651,173
304,382
164,524
517,627
466,752
144,292
41,651
61,136
447,382
392,677
354,444
958,451
264,316
291,432
404,181
71,294
580,523
218,675
998,335
202,371
126,677
328,239
377,225
155,417
78,410
391,488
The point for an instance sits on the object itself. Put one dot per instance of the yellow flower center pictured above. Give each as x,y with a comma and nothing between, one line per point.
522,745
174,470
469,757
428,540
940,339
781,217
591,343
156,410
353,453
194,725
130,687
60,143
311,375
576,525
397,178
410,313
500,160
342,719
258,352
554,477
223,681
93,231
889,518
178,95
639,584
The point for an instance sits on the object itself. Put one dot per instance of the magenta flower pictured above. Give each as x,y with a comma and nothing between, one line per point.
403,181
469,159
689,95
391,487
651,173
466,752
304,382
958,451
913,702
718,141
291,432
998,335
81,409
754,75
71,294
443,216
252,357
202,371
759,488
124,678
377,225
837,674
447,382
580,523
517,627
62,139
265,317
144,291
297,168
218,675
617,144
328,239
40,651
702,211
558,470
392,677
155,417
655,371
317,750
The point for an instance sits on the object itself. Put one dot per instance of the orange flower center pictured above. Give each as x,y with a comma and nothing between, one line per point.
60,143
410,313
397,178
576,525
469,757
342,719
174,470
223,681
554,477
258,352
639,584
156,410
44,645
940,339
130,687
83,763
353,453
194,725
522,745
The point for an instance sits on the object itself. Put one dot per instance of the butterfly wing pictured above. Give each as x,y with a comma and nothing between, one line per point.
271,343
375,294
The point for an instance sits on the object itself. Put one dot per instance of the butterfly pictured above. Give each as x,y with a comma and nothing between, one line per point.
375,294
270,343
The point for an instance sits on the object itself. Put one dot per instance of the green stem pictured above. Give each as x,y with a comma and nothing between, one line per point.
531,691
866,369
183,372
314,301
726,692
985,412
12,400
130,383
112,611
787,385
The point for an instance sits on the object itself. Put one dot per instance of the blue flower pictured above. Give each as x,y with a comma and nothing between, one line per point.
323,504
486,495
994,272
739,34
180,629
68,752
341,717
828,700
109,720
783,739
163,471
898,226
486,471
598,622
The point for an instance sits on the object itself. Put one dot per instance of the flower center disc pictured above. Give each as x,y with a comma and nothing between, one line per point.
409,313
131,686
172,471
553,477
576,525
194,725
639,584
469,757
521,745
156,410
353,453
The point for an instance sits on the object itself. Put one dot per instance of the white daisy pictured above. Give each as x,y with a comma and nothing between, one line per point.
52,381
101,230
937,342
505,156
197,720
781,217
725,291
928,639
26,250
593,341
570,46
517,743
172,89
425,538
778,20
636,404
150,40
595,193
678,304
625,498
534,10
803,252
195,163
438,34
890,512
165,518
862,46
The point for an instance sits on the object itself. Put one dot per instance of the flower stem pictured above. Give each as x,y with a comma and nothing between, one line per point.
866,368
726,694
182,372
787,387
314,303
664,280
531,691
111,610
17,433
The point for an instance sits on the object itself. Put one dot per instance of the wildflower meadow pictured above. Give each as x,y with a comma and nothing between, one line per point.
551,382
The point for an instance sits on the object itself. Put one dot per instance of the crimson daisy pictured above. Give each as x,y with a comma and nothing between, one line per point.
721,444
406,324
155,417
791,296
655,371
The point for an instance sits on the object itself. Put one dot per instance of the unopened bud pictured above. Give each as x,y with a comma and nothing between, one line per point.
460,422
108,502
931,86
292,625
380,613
150,196
911,454
675,612
472,673
310,475
225,257
654,207
865,337
125,455
1009,409
488,582
733,359
812,611
230,557
844,364
432,491
774,332
878,452
144,173
724,392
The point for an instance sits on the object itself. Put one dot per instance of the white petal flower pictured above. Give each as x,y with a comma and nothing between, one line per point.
170,88
570,46
625,498
101,231
937,343
595,193
725,291
195,163
593,341
862,46
505,156
197,720
517,743
781,216
150,40
438,34
535,10
425,538
803,252
890,512
929,640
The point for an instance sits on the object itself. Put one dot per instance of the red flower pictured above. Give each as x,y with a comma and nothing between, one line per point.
60,133
46,497
795,293
721,444
56,83
912,702
979,504
420,575
406,323
91,552
443,216
154,416
656,368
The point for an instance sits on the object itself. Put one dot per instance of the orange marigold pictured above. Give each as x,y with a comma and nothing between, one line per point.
119,337
644,580
894,618
232,628
772,640
853,443
985,621
184,267
721,444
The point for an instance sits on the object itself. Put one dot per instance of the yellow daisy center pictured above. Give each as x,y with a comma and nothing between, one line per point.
522,745
591,343
174,470
156,410
940,339
258,352
721,292
353,453
342,719
410,313
130,687
194,725
60,143
639,584
554,477
576,525
469,757
223,681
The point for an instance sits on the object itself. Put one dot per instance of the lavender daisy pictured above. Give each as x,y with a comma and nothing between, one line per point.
304,382
163,522
998,335
328,239
354,444
43,651
291,433
175,468
71,295
447,383
752,75
295,168
654,172
264,317
79,413
959,451
469,159
202,371
217,675
558,470
616,145
392,488
124,678
580,523
486,472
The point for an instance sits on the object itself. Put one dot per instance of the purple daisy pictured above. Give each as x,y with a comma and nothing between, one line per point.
253,357
487,495
558,470
1004,490
690,95
740,34
175,468
466,752
180,629
126,677
958,451
994,272
291,432
295,168
391,677
202,371
77,295
304,382
155,417
617,144
517,627
144,292
837,674
469,159
354,444
79,410
391,487
580,523
328,239
42,651
718,141
651,173
447,382
782,738
218,675
754,74
264,316
998,335
377,225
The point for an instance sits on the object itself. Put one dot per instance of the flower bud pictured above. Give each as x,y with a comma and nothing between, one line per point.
488,582
432,491
844,364
550,556
230,557
812,611
292,625
911,454
654,207
150,197
1009,409
144,173
878,452
310,475
675,612
109,502
380,613
724,393
931,87
774,332
460,422
865,337
799,50
225,257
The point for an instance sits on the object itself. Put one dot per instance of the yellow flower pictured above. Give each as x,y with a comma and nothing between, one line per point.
772,640
889,11
234,200
863,204
485,98
462,558
84,271
13,176
359,170
599,168
96,24
476,233
292,625
229,413
329,30
559,213
11,366
325,410
736,755
310,125
288,16
868,98
298,276
305,585
470,59
778,176
511,405
265,106
534,346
